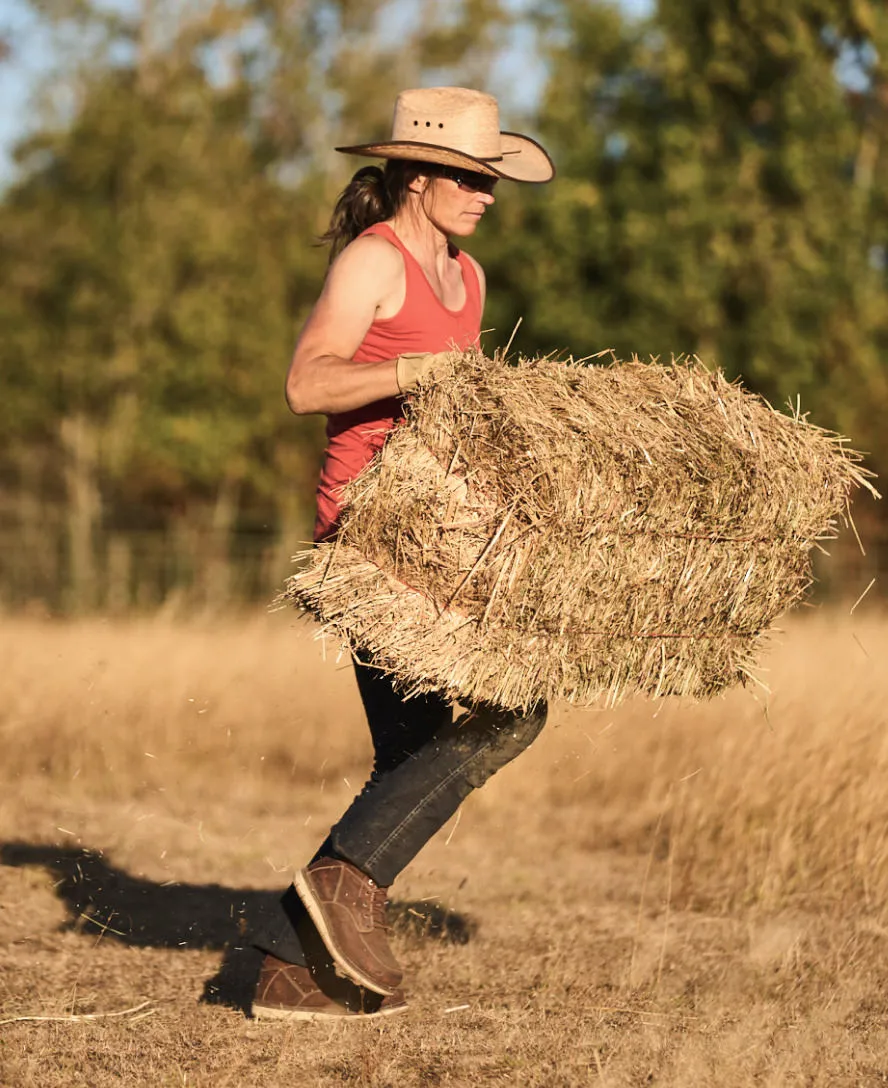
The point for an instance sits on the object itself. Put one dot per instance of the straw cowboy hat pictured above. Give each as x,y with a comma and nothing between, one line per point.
455,126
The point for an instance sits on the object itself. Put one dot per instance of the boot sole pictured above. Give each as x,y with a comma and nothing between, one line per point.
268,1012
316,913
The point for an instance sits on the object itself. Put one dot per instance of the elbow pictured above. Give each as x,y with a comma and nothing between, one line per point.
291,395
295,395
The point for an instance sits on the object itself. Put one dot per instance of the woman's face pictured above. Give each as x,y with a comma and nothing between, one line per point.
455,200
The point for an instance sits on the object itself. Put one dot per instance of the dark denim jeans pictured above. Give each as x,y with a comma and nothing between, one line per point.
425,764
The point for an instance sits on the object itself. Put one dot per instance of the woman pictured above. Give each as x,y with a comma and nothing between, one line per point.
398,293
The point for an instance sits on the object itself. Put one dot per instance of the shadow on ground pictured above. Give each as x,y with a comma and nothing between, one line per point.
100,897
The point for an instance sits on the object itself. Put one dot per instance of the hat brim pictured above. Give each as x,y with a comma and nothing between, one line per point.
523,159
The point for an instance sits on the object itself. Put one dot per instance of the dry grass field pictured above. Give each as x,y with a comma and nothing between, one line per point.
665,894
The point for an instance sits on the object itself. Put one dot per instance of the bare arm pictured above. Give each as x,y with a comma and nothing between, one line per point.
323,377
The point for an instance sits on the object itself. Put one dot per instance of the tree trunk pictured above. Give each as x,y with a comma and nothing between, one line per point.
84,508
215,566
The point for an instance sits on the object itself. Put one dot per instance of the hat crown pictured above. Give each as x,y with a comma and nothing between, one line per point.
455,117
458,127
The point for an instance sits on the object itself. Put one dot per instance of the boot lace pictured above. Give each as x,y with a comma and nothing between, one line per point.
378,900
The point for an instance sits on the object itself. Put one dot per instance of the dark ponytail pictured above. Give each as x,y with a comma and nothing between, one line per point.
371,196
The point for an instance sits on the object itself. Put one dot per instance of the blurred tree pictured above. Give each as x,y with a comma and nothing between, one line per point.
720,191
146,256
157,254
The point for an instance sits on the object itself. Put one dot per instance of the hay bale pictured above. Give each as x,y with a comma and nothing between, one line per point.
553,530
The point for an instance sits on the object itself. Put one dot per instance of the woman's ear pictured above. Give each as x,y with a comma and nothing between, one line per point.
419,184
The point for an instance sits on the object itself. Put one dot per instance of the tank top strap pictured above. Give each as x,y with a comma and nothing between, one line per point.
470,280
383,230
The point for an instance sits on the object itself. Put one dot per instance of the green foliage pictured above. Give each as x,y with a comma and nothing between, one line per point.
151,273
158,253
720,190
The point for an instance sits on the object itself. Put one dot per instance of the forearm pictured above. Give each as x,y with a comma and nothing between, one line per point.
329,384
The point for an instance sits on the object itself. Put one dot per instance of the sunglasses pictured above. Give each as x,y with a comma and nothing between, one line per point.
468,180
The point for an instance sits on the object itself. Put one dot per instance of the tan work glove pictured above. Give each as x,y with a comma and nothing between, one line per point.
413,366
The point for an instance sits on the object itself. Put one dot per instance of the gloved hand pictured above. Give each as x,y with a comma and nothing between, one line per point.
413,366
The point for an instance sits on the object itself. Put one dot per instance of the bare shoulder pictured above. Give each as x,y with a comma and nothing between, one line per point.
369,255
367,275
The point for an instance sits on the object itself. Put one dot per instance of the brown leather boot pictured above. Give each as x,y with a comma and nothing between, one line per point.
287,991
348,909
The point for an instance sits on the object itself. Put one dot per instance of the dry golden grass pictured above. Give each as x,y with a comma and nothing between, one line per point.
668,894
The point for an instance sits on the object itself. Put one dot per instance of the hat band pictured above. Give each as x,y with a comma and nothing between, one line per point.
445,147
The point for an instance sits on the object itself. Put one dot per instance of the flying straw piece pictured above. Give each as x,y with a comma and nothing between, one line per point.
78,1018
862,595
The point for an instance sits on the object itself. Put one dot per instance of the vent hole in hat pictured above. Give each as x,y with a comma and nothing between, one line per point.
440,124
428,124
416,122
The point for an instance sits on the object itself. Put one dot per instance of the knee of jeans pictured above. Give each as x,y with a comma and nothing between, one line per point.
511,736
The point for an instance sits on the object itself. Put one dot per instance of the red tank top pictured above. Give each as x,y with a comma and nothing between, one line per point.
422,324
